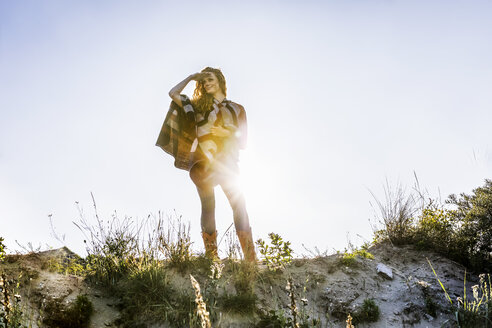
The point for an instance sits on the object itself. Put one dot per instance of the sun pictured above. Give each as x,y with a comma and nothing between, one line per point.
257,181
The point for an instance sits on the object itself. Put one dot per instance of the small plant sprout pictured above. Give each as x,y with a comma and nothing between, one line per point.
216,270
276,255
349,258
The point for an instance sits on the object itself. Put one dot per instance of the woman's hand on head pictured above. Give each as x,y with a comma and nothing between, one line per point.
199,76
219,131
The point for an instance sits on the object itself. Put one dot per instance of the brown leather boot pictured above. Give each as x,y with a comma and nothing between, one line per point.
246,240
210,242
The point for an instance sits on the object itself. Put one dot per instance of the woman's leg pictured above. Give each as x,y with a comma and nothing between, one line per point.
205,189
241,220
238,204
207,198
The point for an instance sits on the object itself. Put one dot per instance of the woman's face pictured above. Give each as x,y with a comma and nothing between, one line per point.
211,84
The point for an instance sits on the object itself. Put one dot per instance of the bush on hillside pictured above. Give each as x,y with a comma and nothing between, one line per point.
462,230
474,236
276,255
73,315
434,230
2,249
367,312
396,212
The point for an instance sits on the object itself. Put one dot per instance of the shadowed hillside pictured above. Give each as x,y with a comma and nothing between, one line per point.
429,266
324,289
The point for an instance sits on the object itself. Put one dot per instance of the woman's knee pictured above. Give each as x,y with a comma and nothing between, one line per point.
195,174
198,175
241,221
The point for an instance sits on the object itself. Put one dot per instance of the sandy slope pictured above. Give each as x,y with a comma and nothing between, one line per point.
39,284
329,288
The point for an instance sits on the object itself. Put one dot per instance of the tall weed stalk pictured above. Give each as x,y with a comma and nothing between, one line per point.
475,312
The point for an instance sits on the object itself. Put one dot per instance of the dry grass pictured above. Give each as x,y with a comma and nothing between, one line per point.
396,212
201,306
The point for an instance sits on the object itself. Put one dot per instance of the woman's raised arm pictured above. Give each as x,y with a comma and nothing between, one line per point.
175,92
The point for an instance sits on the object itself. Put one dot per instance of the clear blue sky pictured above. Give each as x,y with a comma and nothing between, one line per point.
340,95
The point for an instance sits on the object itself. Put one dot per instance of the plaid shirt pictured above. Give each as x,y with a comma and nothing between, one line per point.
185,133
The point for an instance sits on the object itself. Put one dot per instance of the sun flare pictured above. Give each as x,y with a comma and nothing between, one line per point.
257,181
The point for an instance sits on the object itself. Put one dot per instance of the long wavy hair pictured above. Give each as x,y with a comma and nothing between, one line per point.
201,100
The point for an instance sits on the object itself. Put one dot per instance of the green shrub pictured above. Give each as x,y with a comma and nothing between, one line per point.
434,230
430,306
145,288
176,246
280,319
11,315
108,268
76,315
2,250
476,312
349,258
461,229
276,255
364,253
274,319
474,238
148,294
243,303
463,232
112,249
299,316
368,312
243,276
134,257
73,265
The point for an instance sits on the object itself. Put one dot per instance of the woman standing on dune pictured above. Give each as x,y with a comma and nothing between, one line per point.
204,135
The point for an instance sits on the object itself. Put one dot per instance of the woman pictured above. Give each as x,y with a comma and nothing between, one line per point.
204,135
